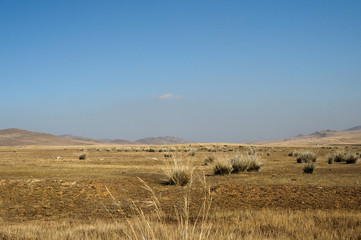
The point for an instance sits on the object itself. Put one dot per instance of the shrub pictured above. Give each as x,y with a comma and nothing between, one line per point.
222,168
306,157
82,157
290,154
248,163
192,153
209,160
239,164
330,159
180,177
179,173
167,155
308,167
351,158
339,158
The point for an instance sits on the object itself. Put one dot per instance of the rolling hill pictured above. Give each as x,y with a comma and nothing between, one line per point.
20,137
326,137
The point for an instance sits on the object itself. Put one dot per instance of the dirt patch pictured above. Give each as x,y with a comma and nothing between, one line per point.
286,196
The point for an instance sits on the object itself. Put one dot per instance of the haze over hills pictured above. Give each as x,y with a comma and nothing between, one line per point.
325,137
20,137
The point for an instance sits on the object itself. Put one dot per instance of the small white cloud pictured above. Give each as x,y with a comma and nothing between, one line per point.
167,96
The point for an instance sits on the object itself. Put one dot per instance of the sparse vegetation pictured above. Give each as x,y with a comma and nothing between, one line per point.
330,158
351,158
241,163
222,167
83,156
65,187
306,157
209,160
167,155
339,156
308,167
179,172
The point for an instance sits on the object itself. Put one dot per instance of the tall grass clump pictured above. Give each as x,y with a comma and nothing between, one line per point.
238,163
179,172
306,157
246,162
309,167
222,167
340,156
188,224
209,160
330,158
351,158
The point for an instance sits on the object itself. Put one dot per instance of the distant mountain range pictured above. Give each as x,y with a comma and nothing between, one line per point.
325,137
20,137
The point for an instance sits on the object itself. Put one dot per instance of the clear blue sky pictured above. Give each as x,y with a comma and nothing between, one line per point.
209,71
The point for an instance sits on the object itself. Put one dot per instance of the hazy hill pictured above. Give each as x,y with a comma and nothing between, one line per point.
162,141
121,142
19,137
354,128
326,137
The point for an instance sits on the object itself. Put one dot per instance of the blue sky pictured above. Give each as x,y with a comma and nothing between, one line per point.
208,71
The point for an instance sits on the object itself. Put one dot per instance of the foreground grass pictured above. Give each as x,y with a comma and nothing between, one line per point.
245,224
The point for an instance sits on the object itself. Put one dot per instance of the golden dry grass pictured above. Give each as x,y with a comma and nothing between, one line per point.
48,193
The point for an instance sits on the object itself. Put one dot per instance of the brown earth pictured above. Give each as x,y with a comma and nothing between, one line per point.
35,185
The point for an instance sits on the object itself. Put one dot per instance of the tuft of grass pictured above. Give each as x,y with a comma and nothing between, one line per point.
222,167
306,157
340,156
209,160
330,158
179,172
309,167
192,153
155,226
351,158
245,162
82,157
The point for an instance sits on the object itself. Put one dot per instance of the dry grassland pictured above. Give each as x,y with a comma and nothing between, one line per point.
121,193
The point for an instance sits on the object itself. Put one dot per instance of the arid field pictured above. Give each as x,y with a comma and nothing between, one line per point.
125,192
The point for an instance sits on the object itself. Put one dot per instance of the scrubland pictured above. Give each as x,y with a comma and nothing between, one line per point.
175,192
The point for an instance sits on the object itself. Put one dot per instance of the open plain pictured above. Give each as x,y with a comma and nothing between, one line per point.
122,192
